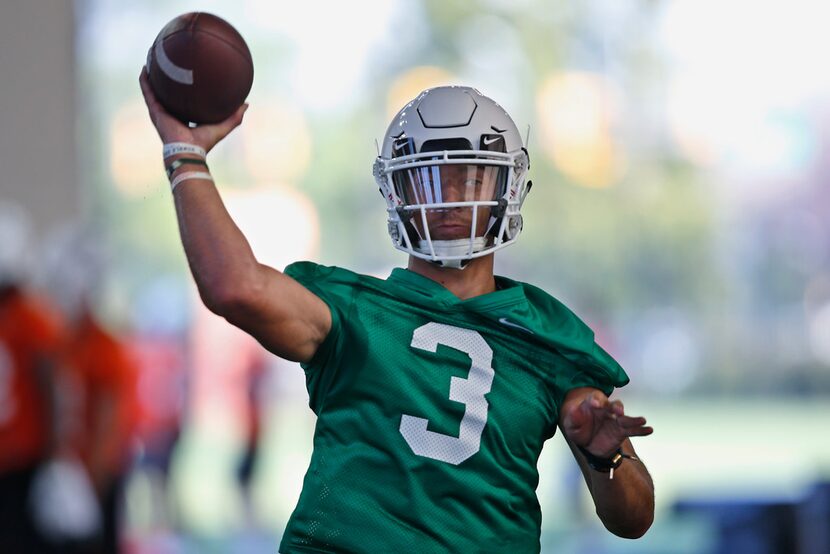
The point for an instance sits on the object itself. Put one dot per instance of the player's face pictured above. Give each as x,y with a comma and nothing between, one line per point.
451,183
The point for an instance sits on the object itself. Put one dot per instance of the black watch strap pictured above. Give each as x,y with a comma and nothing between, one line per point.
605,465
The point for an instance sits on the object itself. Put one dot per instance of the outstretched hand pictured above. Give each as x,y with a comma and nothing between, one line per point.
171,129
599,425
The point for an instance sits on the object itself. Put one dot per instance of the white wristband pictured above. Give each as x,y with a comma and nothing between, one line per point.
188,175
173,148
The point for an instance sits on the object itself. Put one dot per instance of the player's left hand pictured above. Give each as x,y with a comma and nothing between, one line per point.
599,425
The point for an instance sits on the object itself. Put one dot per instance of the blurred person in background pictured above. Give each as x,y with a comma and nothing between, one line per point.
229,366
30,337
161,395
160,324
398,463
98,377
253,416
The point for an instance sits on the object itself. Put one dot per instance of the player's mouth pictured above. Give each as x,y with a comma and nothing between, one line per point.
453,225
451,230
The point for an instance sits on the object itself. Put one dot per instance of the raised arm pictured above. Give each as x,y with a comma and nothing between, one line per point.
285,317
599,426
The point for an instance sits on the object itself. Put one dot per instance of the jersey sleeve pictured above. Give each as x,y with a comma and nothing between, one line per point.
591,368
334,287
585,362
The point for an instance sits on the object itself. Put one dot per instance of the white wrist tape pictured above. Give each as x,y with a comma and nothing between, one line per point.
173,148
188,175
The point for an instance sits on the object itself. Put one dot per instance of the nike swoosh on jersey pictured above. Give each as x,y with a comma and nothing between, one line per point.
505,321
488,141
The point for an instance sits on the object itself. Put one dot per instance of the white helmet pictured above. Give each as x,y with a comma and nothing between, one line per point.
452,153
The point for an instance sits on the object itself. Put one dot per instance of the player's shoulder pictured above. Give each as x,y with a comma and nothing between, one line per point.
306,271
556,326
330,282
548,320
544,305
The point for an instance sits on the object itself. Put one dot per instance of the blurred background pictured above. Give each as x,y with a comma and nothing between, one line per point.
679,157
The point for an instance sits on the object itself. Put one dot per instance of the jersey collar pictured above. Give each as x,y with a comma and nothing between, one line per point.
509,293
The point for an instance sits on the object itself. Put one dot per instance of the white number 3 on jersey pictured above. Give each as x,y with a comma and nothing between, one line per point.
470,391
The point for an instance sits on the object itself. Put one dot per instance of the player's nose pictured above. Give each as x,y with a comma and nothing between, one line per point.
452,191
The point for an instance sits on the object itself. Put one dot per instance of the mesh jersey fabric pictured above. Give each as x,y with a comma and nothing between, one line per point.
432,412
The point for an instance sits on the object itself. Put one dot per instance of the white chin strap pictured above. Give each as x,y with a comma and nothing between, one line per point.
455,249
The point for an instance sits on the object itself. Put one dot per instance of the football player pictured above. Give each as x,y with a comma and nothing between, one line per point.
30,338
98,376
436,388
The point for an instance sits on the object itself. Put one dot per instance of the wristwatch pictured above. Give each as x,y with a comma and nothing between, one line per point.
603,464
606,465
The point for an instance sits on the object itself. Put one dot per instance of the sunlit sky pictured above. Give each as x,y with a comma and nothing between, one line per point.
747,83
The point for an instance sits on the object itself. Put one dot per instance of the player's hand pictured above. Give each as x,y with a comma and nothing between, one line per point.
599,425
171,129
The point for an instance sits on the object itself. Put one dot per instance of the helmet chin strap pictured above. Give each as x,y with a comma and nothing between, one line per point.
452,248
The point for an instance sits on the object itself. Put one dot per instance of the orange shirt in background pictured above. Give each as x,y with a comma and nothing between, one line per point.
99,369
29,337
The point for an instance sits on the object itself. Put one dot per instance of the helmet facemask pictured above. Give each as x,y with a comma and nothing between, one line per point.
452,203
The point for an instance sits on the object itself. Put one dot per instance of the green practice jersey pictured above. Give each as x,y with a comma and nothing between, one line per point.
432,412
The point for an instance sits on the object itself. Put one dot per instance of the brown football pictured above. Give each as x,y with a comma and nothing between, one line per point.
200,68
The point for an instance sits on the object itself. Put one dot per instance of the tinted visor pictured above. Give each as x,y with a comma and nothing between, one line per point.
438,184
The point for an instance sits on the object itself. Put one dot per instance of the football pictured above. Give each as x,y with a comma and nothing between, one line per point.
200,68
